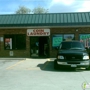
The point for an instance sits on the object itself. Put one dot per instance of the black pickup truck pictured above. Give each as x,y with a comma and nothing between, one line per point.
72,54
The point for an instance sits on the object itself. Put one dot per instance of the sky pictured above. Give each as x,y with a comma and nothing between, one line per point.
53,6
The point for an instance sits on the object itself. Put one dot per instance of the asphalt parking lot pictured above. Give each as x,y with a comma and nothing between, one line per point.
39,74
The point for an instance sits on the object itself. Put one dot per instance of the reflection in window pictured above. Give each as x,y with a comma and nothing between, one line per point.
15,41
68,37
85,39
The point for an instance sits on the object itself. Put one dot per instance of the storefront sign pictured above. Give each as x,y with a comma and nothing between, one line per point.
83,37
57,41
38,32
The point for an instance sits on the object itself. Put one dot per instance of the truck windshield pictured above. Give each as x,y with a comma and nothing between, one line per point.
71,45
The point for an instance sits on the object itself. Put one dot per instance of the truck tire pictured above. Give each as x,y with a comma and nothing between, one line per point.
88,68
55,65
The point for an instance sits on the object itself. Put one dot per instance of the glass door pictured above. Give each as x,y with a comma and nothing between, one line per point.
39,46
34,47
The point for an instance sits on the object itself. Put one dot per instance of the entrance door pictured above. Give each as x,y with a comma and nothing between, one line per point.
39,46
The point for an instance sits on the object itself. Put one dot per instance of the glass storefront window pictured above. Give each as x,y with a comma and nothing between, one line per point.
68,37
58,38
15,41
85,39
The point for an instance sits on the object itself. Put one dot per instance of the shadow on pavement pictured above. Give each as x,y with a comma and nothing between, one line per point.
49,66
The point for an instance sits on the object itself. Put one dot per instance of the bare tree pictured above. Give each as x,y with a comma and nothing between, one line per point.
23,10
39,9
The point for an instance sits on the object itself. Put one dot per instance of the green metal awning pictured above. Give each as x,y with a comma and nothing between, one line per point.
49,19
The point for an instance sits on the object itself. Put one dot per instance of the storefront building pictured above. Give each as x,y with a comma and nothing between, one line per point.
37,35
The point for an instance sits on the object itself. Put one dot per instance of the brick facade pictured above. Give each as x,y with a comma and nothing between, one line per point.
26,53
17,53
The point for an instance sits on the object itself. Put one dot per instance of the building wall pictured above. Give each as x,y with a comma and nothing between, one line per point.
26,53
16,53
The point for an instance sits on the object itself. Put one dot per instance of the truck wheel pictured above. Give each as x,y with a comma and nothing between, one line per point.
88,68
55,65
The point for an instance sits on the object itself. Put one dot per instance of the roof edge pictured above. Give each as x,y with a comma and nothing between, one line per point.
46,13
46,27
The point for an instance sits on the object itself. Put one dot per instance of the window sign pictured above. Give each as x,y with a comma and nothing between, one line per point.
11,53
1,39
68,37
8,43
56,40
85,39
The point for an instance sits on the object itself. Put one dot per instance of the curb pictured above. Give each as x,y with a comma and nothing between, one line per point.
12,58
23,58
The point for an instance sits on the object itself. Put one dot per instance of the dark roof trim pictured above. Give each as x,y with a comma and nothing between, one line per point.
48,24
46,27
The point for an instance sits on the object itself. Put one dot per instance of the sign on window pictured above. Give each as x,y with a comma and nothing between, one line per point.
8,43
56,40
68,37
85,39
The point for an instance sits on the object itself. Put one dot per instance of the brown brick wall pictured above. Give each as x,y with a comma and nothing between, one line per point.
16,53
26,53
